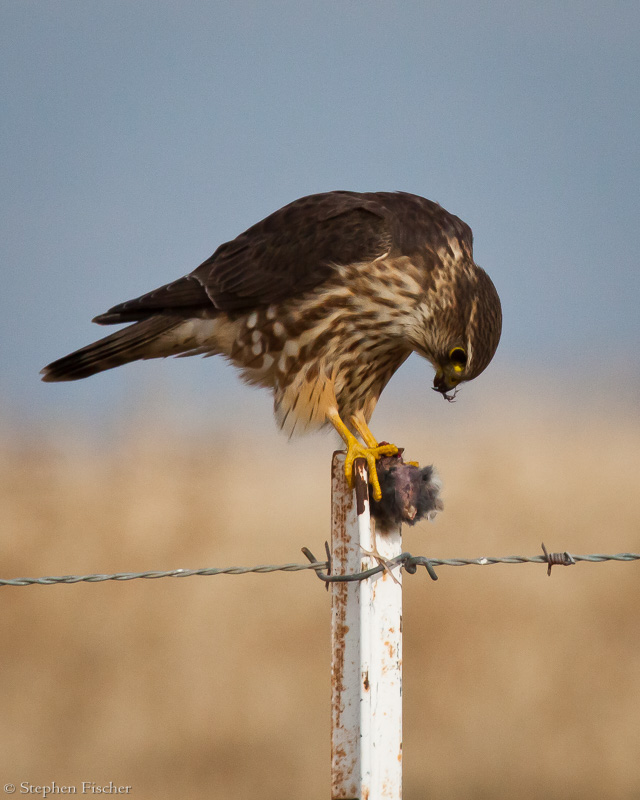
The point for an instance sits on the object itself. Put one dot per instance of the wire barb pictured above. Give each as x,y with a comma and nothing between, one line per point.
563,559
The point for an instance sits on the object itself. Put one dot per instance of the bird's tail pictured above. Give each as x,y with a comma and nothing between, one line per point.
150,338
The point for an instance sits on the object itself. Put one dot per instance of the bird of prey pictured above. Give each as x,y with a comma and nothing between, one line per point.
321,302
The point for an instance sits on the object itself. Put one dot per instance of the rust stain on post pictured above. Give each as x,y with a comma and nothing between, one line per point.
344,754
361,484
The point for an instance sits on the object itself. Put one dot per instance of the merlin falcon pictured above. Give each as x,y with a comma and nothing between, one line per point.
321,302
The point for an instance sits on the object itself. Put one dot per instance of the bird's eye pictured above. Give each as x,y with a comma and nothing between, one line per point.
458,357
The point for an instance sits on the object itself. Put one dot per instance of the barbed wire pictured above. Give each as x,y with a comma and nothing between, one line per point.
153,574
322,569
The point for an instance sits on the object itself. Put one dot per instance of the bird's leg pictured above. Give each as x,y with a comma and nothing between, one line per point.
355,450
360,424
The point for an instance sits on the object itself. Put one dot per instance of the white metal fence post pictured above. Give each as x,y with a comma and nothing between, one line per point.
366,633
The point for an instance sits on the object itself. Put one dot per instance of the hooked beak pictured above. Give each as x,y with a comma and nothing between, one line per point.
441,385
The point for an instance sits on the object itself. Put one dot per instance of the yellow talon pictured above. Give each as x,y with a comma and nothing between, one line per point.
371,453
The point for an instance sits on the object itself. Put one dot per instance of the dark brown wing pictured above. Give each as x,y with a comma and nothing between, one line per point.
287,253
421,226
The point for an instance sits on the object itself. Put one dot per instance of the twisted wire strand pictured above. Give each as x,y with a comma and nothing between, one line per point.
406,559
172,573
540,559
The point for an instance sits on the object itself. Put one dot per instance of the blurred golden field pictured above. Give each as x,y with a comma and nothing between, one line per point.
515,684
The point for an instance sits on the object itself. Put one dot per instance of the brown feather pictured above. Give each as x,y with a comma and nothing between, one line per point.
119,348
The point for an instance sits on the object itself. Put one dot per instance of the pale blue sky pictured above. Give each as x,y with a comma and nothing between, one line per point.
138,136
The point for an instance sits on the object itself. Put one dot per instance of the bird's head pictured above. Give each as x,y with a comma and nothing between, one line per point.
466,332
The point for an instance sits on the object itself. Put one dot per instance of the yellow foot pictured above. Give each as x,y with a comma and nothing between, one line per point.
371,454
381,561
